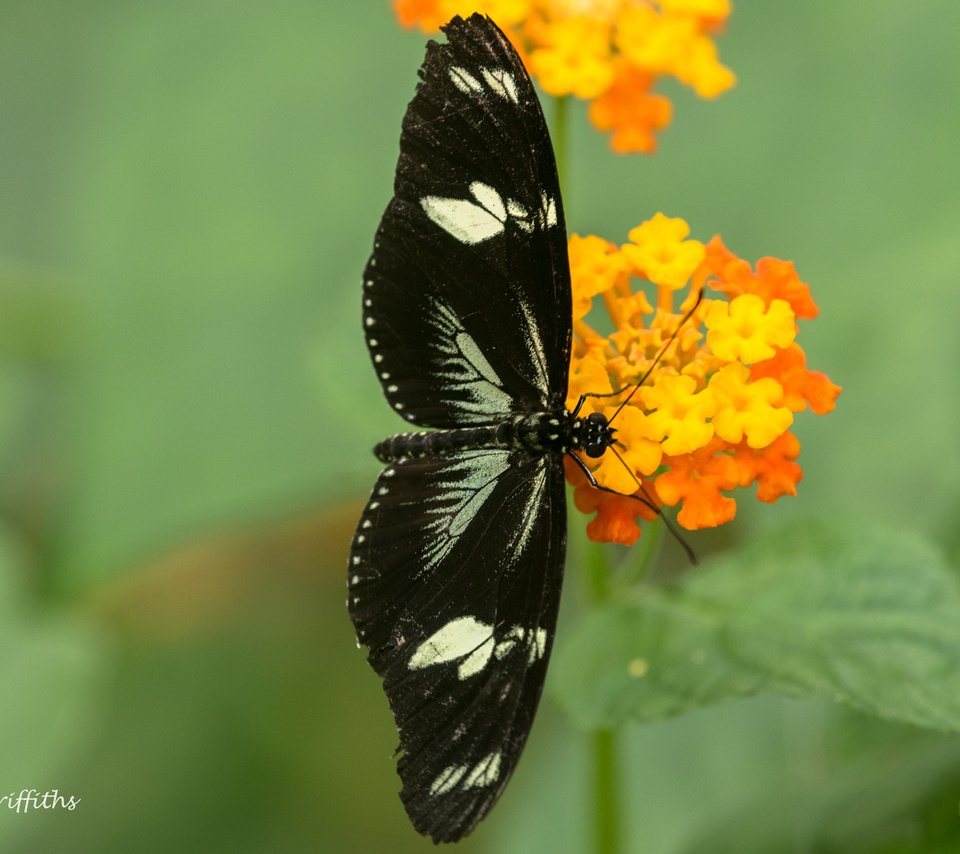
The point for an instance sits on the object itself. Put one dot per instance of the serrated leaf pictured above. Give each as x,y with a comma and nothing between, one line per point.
860,807
870,618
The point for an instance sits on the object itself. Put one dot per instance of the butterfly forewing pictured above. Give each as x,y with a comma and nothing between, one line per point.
467,294
456,566
454,583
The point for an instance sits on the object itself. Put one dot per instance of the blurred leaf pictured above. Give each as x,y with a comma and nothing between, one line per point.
902,801
218,204
870,618
52,669
35,315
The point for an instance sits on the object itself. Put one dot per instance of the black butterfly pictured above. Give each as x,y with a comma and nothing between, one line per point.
456,566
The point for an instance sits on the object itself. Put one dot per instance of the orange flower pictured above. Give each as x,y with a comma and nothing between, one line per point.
630,111
697,480
616,519
800,386
773,279
773,469
609,52
714,414
425,13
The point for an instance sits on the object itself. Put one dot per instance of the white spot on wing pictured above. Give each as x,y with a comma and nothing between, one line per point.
485,772
538,355
473,383
538,645
476,661
501,82
490,199
464,80
509,642
449,512
474,222
533,506
516,210
472,353
463,637
552,213
447,779
466,513
467,222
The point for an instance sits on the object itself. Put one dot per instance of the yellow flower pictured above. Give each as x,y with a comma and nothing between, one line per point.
715,412
652,40
710,11
595,266
507,13
575,60
747,408
746,330
679,413
701,69
609,52
659,252
588,375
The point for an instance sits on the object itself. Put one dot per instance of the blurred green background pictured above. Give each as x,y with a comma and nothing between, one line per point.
188,193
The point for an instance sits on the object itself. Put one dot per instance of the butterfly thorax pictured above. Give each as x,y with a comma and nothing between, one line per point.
537,433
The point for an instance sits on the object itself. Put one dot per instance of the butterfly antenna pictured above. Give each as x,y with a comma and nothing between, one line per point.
646,499
660,355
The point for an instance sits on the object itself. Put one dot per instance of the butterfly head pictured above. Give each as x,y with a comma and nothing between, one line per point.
598,434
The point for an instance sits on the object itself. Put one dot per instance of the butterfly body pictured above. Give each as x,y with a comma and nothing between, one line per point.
539,433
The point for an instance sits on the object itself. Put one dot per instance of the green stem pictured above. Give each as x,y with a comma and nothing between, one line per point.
604,742
560,144
639,565
599,573
606,808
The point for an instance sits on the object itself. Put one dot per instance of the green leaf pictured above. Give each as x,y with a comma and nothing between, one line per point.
893,799
54,669
870,618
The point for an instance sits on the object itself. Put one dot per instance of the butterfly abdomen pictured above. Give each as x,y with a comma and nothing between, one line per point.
539,433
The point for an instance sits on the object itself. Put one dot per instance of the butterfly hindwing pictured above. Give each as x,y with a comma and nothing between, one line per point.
455,578
467,293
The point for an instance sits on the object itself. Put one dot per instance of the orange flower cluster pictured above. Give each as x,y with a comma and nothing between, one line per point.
715,412
608,52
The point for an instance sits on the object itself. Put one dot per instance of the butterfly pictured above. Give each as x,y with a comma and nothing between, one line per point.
456,566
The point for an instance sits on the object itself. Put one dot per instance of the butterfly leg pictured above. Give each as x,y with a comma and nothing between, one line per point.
593,482
643,499
583,398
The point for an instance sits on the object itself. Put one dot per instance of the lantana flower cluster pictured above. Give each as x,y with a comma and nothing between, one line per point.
715,413
608,52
